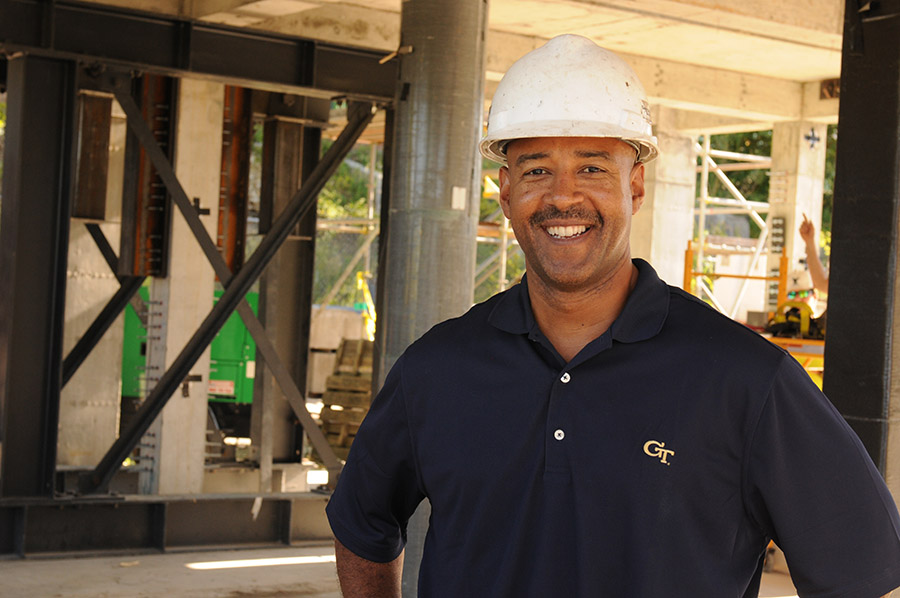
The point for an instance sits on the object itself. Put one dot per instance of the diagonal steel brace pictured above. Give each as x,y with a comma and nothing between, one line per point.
128,286
236,286
112,260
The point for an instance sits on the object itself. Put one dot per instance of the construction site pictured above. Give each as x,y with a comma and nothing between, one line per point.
180,384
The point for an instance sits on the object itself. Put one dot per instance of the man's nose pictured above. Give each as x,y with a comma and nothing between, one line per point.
565,190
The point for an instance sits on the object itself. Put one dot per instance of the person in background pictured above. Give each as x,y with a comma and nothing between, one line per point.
800,288
816,269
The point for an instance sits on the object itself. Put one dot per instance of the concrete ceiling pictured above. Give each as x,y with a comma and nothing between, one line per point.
720,64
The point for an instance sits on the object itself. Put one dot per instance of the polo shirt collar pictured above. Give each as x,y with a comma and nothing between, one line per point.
642,317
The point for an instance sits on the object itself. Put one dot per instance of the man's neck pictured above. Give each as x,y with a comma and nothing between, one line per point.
572,319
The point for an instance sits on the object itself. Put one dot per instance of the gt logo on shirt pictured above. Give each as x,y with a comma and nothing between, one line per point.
657,449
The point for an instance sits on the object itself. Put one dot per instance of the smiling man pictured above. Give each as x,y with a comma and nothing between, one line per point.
570,201
561,431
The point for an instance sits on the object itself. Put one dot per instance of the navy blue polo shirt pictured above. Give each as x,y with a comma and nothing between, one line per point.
657,462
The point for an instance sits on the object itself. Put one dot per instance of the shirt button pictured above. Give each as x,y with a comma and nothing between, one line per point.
559,434
565,378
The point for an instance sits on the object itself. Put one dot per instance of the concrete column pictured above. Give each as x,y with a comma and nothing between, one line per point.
89,406
433,210
429,265
187,293
661,229
795,188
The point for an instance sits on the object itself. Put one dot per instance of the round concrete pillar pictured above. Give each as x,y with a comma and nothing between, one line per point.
430,224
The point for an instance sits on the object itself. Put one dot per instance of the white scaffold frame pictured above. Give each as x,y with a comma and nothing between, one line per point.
736,204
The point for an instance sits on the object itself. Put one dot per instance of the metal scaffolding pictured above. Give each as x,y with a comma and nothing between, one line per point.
736,204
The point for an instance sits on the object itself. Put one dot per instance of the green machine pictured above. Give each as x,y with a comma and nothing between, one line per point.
231,373
232,359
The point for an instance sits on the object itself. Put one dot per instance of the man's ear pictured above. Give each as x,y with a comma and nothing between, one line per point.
504,190
637,187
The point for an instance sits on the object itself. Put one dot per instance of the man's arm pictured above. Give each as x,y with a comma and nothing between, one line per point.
816,269
361,578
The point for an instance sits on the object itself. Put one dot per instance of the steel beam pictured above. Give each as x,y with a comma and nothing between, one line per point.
95,118
128,287
109,254
864,285
112,260
160,523
34,233
146,210
181,47
120,299
290,152
237,132
236,286
264,344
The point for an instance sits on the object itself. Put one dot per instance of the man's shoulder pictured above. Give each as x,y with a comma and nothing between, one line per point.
469,327
694,321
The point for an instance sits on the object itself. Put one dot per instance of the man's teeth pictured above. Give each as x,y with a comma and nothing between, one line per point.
564,232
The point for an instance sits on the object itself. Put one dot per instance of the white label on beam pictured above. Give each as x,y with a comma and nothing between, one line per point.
458,199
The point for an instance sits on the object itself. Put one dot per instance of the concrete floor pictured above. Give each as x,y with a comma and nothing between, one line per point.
306,571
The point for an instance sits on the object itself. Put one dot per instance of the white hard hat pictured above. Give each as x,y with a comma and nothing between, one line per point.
569,87
799,280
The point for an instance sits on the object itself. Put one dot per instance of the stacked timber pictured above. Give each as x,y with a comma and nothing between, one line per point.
348,392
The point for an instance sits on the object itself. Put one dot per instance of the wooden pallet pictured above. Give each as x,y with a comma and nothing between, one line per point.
354,357
348,393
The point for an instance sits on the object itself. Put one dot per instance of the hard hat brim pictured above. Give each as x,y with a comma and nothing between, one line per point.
493,146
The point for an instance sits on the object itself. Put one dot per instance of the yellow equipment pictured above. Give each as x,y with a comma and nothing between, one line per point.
794,319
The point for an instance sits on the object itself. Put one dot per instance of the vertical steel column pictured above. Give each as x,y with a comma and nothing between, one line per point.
237,130
95,116
34,230
146,211
861,354
429,271
384,222
290,152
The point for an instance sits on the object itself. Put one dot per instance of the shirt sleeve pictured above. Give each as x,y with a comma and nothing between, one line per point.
812,487
378,489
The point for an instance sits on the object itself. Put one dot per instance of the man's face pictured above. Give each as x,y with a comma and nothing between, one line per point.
570,201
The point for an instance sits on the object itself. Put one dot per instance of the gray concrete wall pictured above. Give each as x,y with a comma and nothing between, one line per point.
190,284
662,228
89,405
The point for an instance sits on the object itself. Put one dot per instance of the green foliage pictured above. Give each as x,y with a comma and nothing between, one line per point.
489,204
515,268
515,263
754,184
344,196
333,252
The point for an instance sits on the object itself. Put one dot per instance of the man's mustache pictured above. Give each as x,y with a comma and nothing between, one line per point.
574,213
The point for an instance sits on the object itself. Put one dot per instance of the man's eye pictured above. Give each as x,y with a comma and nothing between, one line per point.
594,169
536,172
